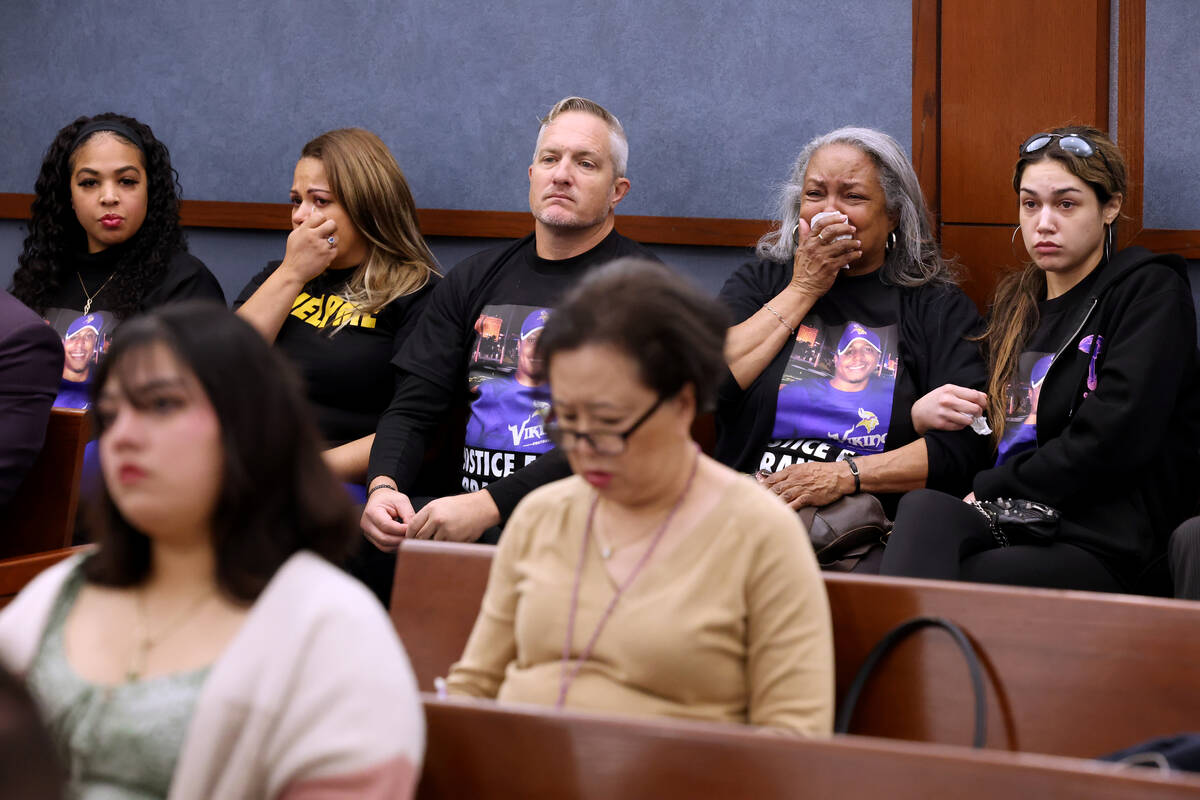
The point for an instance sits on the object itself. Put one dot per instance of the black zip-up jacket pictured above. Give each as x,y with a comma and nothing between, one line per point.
1122,463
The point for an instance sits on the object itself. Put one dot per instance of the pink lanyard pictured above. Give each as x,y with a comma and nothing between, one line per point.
568,679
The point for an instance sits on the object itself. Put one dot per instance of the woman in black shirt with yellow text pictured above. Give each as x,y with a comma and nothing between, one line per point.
352,282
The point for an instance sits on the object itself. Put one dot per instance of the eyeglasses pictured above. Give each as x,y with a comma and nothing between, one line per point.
1072,143
605,443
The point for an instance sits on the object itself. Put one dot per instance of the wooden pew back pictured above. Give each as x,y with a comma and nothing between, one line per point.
435,599
479,749
42,514
1068,673
16,572
1072,673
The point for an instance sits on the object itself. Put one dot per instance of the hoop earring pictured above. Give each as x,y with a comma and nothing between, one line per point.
796,234
890,244
1012,245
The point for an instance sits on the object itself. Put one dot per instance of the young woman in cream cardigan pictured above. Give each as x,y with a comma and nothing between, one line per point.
209,647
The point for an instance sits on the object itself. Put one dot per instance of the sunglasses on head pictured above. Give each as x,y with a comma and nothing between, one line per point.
1070,142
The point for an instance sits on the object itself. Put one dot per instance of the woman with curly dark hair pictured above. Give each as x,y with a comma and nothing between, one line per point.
104,239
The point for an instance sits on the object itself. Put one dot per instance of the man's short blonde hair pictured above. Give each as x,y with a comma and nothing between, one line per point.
619,144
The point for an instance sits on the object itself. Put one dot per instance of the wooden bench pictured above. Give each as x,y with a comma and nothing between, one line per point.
1068,673
478,749
16,572
41,516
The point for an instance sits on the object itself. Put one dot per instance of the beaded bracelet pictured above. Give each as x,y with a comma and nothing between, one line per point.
381,486
782,321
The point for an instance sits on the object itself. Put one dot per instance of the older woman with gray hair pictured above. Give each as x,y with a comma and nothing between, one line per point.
850,365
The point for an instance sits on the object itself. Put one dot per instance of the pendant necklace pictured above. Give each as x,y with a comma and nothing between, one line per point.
147,642
87,306
568,674
606,549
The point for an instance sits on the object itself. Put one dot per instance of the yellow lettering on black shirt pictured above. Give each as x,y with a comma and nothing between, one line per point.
330,311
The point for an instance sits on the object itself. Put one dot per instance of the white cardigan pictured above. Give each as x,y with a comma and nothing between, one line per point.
313,698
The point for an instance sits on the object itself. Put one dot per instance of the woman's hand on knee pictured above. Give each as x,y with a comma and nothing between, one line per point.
947,408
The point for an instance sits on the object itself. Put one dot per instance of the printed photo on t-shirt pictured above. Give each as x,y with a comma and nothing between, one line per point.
835,397
1021,402
85,339
505,430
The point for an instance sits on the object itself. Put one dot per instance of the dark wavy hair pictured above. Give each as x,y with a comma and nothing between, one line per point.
55,234
277,496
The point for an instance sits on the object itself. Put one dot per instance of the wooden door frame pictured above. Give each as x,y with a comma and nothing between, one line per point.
1131,121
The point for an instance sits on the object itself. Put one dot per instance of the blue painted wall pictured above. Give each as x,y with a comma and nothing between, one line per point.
716,97
1172,143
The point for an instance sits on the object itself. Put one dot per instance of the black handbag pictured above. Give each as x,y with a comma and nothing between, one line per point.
1019,521
885,645
844,531
1181,751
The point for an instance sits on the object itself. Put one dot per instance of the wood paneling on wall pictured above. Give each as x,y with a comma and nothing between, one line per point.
701,231
1009,70
985,77
985,252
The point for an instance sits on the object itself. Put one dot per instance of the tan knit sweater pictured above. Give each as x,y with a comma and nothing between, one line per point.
731,624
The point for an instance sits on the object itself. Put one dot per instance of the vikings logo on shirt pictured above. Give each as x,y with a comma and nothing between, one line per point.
835,400
867,421
505,430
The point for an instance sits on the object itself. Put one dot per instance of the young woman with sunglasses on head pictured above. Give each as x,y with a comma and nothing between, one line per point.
104,239
655,581
210,648
1099,347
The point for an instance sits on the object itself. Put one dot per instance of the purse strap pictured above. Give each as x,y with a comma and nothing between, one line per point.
893,638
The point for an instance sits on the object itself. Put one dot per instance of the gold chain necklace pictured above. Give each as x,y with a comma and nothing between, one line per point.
146,642
87,306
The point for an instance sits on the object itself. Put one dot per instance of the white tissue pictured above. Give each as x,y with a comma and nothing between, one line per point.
812,224
980,426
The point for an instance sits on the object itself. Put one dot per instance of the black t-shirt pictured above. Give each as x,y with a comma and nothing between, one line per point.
347,373
472,326
794,411
1057,320
186,278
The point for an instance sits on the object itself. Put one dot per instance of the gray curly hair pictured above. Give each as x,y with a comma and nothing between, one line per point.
916,259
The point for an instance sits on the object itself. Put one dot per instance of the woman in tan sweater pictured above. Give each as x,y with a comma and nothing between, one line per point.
654,581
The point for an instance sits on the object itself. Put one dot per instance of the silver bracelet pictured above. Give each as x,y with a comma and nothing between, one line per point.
779,316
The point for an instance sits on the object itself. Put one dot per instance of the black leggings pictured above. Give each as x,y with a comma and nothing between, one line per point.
937,535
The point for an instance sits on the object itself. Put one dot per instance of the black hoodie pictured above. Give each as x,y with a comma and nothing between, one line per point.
1122,462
